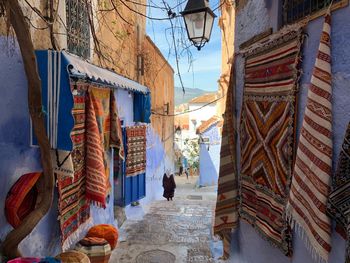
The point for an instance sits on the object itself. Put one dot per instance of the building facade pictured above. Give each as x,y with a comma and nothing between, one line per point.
254,21
226,24
201,109
209,151
111,36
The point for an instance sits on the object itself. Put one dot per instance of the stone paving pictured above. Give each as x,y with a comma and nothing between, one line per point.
177,231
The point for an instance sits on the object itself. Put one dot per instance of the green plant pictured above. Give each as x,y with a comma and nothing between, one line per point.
191,151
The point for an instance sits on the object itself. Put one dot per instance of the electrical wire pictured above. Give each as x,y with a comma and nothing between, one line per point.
172,28
179,4
139,13
145,5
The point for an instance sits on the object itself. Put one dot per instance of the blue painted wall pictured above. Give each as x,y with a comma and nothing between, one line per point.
17,158
209,160
125,104
254,18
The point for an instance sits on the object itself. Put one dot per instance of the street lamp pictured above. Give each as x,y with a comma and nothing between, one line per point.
199,20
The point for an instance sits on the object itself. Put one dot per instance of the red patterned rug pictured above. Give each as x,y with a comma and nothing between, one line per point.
267,137
136,150
103,130
74,210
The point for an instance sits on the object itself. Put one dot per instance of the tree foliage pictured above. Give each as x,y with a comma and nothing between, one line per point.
191,151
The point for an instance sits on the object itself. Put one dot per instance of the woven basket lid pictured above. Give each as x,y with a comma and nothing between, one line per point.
73,257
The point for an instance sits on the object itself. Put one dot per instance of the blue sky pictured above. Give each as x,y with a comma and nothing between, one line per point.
204,71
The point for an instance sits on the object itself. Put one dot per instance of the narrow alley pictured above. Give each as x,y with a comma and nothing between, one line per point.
177,231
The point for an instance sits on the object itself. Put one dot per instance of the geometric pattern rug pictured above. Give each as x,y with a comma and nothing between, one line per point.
267,134
136,150
73,207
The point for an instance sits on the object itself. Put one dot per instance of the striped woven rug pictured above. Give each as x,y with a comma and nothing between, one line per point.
73,207
226,212
312,172
96,177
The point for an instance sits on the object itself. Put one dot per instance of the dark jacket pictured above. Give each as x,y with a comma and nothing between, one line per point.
169,186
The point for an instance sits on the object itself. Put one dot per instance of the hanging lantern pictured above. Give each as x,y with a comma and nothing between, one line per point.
199,20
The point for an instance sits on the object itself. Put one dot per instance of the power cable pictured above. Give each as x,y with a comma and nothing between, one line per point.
171,15
179,4
145,5
139,13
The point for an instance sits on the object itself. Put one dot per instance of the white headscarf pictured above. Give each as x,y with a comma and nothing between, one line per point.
168,173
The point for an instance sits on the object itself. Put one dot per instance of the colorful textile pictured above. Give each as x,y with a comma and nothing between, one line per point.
34,260
226,211
267,137
313,166
97,249
57,100
49,260
21,198
101,98
136,150
24,260
116,140
107,232
142,107
73,207
62,163
339,199
73,257
96,177
103,131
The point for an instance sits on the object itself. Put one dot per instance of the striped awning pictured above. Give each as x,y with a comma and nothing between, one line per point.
78,66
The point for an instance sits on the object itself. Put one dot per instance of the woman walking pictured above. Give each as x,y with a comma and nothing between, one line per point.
169,186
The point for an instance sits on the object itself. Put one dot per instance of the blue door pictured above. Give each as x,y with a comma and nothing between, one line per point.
127,189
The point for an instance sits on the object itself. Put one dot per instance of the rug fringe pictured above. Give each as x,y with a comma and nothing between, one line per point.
316,257
77,235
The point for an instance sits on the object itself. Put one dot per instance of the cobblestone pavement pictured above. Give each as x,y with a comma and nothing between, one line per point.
171,232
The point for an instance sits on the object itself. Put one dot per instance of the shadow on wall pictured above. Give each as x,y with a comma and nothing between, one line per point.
209,162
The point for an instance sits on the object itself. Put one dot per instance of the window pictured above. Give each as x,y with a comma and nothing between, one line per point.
296,10
78,29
